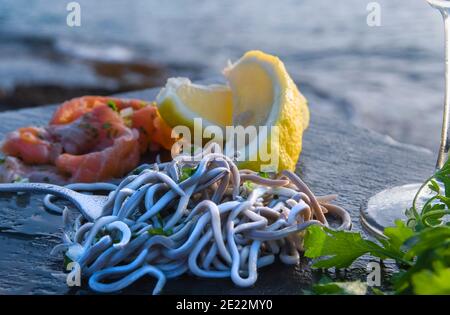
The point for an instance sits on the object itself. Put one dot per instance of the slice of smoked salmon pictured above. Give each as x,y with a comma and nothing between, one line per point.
104,149
74,108
142,120
91,138
153,131
92,131
114,161
97,146
32,144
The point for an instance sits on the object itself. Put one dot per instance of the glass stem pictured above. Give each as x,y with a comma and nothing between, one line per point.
444,146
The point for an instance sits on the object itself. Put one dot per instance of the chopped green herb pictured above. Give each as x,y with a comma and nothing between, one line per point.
249,185
106,125
264,174
2,160
156,231
113,105
160,231
187,172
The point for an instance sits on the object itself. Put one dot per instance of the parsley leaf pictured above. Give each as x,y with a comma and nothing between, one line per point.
421,246
428,239
434,186
397,236
429,282
339,248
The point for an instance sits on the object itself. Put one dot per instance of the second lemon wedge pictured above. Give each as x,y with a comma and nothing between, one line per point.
265,95
180,101
260,93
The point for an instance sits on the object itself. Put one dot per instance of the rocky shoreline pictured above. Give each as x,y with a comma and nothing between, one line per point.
117,77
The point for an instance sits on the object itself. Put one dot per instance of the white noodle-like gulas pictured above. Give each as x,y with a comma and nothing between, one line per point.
159,223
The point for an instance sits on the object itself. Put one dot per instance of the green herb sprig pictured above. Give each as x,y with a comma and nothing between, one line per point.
420,245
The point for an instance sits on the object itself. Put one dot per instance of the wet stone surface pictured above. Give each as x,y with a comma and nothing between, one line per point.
337,158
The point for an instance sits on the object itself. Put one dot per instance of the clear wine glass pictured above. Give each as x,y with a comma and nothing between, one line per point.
389,205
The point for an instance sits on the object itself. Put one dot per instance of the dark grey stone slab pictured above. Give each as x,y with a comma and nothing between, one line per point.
337,158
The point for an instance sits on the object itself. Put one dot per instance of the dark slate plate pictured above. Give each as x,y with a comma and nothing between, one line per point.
337,158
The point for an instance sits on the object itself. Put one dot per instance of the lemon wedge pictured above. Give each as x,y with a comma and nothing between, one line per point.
260,94
265,95
180,101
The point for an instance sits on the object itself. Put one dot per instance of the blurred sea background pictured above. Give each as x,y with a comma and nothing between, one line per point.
388,78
